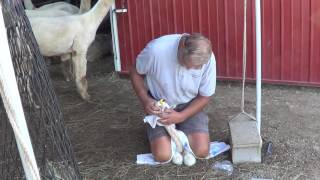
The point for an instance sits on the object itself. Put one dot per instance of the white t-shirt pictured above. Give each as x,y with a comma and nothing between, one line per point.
166,78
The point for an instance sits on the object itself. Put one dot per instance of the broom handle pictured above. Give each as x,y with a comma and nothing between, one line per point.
244,54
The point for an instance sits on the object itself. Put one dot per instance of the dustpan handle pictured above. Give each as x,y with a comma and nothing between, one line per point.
244,54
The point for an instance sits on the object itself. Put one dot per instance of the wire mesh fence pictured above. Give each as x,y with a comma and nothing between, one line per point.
50,140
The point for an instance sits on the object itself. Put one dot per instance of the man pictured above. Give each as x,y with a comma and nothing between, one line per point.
181,69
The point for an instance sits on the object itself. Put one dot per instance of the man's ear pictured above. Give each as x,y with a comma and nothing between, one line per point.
183,45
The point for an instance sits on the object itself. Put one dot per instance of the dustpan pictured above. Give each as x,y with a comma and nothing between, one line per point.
245,137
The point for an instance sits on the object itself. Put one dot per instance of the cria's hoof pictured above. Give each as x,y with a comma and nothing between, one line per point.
177,159
189,159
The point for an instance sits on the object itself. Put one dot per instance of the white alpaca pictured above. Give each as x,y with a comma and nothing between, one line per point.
56,9
64,6
181,155
64,35
55,13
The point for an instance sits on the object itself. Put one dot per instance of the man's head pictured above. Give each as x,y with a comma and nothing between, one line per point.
194,50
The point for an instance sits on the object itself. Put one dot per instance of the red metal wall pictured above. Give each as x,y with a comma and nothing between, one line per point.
290,41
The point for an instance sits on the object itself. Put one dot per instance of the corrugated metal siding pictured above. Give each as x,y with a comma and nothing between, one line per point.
290,42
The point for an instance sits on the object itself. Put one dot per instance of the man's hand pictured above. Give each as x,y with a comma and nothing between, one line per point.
148,103
170,116
151,108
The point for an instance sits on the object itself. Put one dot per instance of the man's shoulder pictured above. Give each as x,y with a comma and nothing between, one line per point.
168,37
163,45
211,62
165,40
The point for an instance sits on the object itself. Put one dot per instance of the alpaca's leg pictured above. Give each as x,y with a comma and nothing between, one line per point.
65,67
80,68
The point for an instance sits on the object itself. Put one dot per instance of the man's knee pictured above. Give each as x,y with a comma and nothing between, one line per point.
200,144
161,149
162,156
201,151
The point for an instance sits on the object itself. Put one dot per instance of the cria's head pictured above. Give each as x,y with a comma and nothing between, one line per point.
162,101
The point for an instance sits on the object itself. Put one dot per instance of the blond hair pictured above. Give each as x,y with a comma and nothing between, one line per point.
197,47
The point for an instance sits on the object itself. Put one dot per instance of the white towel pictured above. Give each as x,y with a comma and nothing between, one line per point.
152,120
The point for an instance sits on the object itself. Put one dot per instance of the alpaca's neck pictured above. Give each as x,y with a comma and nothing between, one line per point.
95,16
28,4
85,6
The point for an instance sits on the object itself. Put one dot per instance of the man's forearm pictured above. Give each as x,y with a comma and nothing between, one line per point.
195,106
138,86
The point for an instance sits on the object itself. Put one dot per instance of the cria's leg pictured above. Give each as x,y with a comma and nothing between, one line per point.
188,159
174,135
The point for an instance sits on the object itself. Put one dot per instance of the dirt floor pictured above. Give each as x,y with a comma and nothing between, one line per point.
107,133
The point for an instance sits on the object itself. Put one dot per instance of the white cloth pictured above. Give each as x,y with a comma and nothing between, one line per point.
151,120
